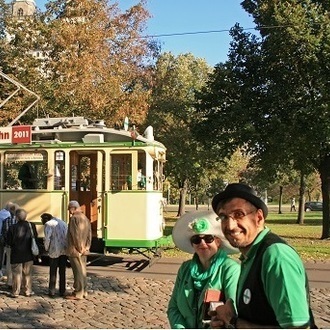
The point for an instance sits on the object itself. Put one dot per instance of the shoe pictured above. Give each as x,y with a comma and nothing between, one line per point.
72,297
51,295
13,295
8,287
29,294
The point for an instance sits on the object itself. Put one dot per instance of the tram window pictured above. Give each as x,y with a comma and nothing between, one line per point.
158,175
121,172
25,170
85,175
59,170
74,176
141,174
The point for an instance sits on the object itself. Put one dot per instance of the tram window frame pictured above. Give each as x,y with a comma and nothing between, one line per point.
142,176
158,175
59,170
14,162
121,171
84,173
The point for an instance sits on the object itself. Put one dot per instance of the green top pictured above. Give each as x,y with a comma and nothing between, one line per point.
184,310
284,281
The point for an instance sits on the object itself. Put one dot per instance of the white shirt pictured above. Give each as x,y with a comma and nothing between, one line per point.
55,237
139,176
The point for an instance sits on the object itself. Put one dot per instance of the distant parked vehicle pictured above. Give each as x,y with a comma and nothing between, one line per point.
313,206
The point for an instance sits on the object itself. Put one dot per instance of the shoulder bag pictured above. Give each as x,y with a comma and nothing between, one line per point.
34,246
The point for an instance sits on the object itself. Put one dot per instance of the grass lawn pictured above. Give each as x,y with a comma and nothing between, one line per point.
304,238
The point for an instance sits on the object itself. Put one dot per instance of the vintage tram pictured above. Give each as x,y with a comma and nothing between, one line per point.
115,174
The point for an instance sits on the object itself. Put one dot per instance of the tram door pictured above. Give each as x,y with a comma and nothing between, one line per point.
83,187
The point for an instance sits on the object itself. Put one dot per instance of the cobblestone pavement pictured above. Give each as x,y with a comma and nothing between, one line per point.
113,302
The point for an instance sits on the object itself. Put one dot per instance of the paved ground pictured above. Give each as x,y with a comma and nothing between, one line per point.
121,297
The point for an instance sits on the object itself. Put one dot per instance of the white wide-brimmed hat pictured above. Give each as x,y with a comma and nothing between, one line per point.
199,223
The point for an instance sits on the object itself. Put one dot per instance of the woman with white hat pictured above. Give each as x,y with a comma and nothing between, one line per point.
209,276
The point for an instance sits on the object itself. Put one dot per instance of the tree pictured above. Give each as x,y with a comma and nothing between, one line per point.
19,39
177,79
273,88
94,61
99,66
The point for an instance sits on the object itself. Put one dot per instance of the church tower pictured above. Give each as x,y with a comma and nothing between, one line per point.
23,8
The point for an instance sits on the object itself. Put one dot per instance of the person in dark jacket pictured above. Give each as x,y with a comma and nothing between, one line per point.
26,176
19,238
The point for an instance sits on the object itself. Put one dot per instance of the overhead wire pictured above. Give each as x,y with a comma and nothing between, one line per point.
176,34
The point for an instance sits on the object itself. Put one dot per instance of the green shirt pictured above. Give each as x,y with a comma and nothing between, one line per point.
183,309
283,279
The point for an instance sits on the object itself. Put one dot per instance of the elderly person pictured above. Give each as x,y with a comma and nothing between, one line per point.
79,240
19,238
55,240
210,272
4,215
7,223
272,289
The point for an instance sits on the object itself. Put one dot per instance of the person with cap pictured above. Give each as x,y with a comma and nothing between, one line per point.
79,240
55,238
209,276
273,287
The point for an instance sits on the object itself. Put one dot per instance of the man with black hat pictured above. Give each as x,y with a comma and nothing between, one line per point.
273,287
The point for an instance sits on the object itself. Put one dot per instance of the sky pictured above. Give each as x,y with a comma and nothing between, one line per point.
192,18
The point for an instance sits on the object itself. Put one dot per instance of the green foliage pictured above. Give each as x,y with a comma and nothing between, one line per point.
176,81
271,90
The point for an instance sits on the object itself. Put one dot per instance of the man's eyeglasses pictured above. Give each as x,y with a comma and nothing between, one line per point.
236,215
196,239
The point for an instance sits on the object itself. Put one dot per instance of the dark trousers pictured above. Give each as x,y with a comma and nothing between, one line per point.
60,264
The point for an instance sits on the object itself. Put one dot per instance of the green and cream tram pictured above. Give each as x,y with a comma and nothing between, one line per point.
116,175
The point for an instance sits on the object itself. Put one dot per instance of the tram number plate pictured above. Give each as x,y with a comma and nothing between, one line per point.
21,134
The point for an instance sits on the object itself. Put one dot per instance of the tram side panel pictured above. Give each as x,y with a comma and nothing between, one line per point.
133,219
36,203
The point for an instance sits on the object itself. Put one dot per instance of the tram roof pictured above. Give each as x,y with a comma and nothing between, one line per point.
73,130
79,129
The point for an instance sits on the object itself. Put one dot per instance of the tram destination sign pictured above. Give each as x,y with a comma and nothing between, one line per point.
16,134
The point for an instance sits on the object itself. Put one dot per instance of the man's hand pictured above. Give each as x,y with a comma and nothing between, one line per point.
221,317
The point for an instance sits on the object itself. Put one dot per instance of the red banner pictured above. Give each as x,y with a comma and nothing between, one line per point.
21,134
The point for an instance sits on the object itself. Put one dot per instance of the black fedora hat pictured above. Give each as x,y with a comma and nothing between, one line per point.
240,190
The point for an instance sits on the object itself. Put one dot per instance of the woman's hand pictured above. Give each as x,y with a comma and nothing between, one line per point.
221,317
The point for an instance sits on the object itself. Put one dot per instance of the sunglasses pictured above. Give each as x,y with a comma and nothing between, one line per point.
206,238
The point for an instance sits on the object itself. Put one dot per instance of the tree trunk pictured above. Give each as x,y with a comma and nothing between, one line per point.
182,200
325,184
301,211
280,201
